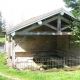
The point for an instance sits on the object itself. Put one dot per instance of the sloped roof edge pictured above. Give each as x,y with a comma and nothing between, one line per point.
39,18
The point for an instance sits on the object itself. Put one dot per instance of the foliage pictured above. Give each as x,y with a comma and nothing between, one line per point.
74,5
2,23
75,25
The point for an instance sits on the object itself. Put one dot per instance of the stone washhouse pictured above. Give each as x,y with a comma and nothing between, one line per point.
42,36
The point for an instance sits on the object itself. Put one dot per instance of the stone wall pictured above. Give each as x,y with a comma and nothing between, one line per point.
35,43
32,44
75,48
63,42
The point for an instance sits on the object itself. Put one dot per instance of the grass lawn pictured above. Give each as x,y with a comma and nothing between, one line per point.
35,75
4,78
2,39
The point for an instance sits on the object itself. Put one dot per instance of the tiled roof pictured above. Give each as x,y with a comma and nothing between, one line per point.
37,19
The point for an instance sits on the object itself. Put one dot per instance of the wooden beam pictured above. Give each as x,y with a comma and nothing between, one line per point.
51,19
20,41
9,46
31,28
56,17
6,43
59,24
65,20
35,33
62,13
13,33
43,33
64,28
52,27
13,53
64,33
59,17
40,22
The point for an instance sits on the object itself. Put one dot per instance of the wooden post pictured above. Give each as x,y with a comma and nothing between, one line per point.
9,45
69,42
64,62
13,52
59,24
6,43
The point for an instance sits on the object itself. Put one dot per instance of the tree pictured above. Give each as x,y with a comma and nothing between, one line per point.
75,25
74,5
2,23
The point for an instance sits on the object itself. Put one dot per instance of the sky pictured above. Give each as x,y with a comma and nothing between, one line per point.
16,11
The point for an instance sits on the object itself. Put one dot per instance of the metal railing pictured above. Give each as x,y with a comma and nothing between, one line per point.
38,63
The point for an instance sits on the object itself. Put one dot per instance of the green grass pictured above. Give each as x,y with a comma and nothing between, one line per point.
2,39
4,78
29,75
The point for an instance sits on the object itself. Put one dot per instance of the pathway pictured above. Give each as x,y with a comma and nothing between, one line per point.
11,77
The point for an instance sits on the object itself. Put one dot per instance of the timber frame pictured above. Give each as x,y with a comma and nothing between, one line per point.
57,21
59,15
58,29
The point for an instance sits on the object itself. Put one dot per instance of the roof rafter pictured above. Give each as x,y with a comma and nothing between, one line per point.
64,28
52,27
31,28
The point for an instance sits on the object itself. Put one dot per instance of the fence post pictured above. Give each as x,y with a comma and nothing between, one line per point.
64,62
